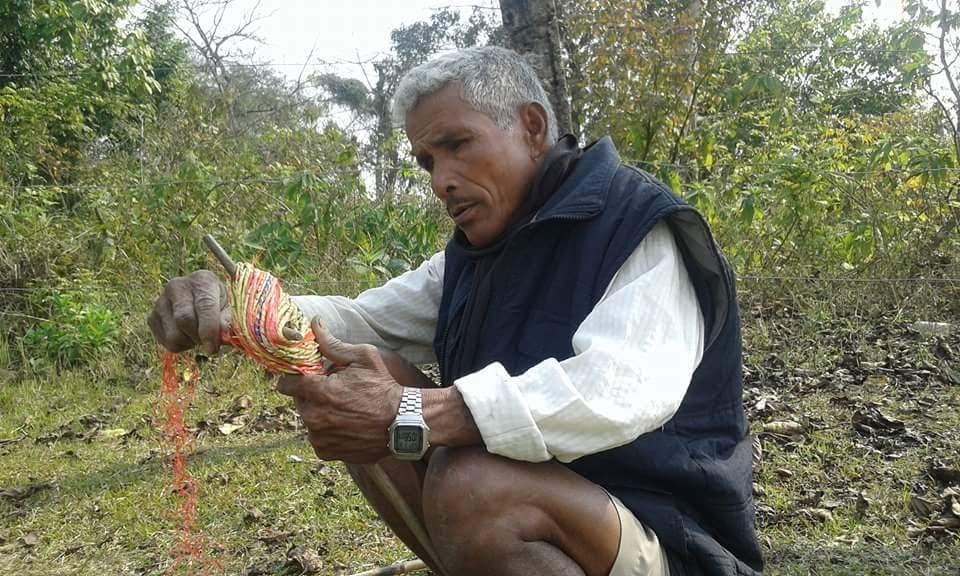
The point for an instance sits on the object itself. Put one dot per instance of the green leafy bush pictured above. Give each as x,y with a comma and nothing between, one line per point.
77,330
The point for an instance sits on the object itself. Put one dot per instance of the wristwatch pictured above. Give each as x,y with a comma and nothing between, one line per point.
409,433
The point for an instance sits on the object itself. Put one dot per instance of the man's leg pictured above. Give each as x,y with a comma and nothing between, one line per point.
491,515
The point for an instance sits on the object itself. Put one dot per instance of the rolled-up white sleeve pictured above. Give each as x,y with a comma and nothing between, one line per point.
634,356
401,315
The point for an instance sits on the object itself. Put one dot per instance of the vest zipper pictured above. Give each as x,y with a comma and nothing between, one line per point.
568,217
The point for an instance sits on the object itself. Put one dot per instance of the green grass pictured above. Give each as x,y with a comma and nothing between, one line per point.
103,503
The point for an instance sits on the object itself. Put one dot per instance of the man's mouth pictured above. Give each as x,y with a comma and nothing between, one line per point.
460,212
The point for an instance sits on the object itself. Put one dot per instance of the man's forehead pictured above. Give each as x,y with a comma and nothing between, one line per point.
436,129
440,116
435,107
449,95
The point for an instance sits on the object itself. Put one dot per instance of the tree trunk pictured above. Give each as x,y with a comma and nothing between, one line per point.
532,30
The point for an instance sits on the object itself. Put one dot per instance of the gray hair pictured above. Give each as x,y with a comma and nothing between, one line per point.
494,81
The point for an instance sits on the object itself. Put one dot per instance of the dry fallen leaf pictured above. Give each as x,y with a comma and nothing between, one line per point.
945,474
914,531
228,428
922,507
30,539
25,492
114,433
870,421
830,504
783,427
821,514
242,403
946,523
274,536
784,472
863,504
252,515
305,560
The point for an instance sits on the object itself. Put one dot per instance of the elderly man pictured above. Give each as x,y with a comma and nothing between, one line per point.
589,417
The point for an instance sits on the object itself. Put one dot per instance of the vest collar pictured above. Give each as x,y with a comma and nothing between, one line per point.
584,193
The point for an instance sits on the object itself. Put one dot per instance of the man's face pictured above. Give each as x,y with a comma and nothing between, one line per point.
480,171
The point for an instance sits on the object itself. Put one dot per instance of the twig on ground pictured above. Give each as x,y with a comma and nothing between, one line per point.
398,568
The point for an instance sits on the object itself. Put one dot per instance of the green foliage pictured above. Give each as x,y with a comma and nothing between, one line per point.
394,239
804,136
77,328
69,73
807,138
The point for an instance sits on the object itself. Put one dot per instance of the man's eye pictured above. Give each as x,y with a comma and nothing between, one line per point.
457,144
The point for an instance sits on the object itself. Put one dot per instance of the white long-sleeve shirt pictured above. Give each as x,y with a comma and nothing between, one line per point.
634,356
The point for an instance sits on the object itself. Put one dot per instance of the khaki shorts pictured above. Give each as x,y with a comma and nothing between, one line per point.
640,551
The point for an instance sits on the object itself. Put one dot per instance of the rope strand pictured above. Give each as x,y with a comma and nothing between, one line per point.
260,310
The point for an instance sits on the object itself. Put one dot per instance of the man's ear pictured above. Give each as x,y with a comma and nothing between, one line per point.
533,118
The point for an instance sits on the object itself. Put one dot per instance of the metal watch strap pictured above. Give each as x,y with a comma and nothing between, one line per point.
411,402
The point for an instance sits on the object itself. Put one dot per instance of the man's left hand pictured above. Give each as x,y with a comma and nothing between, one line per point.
346,412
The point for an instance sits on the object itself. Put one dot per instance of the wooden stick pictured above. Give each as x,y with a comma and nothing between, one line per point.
221,255
231,268
398,568
409,517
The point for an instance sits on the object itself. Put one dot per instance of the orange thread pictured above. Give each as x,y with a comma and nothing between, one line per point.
176,393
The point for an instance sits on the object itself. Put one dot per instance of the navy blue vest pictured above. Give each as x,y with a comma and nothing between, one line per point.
689,481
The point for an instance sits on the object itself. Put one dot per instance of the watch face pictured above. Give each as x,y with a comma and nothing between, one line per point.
407,439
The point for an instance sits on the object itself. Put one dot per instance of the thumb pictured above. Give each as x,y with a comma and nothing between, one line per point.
332,348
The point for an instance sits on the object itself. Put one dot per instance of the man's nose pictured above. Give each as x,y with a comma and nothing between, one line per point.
443,180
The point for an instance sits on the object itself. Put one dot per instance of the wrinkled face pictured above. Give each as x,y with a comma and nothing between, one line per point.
480,171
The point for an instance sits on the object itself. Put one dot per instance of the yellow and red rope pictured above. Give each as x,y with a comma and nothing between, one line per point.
260,310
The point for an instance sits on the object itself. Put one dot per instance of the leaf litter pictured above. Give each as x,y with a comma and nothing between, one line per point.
886,389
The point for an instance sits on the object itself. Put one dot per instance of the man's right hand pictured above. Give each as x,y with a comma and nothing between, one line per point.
192,311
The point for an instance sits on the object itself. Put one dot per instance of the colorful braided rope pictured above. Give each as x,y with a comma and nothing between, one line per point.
260,310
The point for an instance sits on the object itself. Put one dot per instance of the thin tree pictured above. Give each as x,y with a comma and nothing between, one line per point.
532,28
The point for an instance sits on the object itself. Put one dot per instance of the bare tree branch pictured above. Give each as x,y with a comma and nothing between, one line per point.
943,54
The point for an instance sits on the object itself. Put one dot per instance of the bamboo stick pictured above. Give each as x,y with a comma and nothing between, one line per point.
399,568
407,515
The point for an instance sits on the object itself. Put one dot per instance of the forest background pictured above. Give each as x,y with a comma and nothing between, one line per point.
822,149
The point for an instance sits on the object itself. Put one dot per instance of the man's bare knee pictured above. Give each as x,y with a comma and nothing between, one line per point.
458,509
479,506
